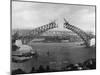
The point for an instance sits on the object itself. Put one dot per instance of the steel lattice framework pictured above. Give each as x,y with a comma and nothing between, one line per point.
85,37
39,30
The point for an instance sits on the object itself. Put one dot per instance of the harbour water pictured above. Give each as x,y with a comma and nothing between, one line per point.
56,55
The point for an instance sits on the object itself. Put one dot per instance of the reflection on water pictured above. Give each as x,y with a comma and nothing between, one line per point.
56,55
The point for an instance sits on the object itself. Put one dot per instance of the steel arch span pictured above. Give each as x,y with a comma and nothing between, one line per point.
37,31
85,37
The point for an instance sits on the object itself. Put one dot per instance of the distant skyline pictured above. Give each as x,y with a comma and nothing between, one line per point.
29,15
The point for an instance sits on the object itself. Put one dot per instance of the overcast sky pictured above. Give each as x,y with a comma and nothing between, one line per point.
29,15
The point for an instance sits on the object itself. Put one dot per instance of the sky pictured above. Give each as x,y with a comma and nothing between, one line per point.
29,15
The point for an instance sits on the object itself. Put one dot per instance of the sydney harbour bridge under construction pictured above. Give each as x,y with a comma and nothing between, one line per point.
39,30
27,53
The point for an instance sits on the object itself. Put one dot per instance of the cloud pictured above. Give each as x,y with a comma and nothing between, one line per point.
32,15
